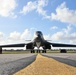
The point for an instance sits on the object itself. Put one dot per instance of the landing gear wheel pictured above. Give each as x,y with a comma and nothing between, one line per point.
32,51
37,51
63,51
44,51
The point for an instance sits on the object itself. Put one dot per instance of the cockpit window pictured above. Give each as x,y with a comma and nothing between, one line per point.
39,32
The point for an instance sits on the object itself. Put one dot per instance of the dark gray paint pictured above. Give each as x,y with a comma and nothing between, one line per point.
69,59
9,64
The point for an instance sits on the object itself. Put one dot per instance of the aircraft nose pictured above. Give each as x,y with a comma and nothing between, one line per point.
38,35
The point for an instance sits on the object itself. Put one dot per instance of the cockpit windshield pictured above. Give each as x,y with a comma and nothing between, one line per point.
39,32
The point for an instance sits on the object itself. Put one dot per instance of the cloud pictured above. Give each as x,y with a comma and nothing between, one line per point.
57,36
68,29
16,36
37,5
7,7
40,5
29,7
65,35
25,34
54,27
47,37
64,14
1,34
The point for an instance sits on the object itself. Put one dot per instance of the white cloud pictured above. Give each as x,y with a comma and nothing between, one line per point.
37,5
57,36
1,34
64,14
41,4
17,36
25,34
7,7
14,36
54,27
63,36
29,7
47,37
73,41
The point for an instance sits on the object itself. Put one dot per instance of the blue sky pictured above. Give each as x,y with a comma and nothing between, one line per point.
19,19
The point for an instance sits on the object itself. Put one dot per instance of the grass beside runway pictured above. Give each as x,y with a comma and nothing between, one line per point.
28,51
15,52
58,51
47,66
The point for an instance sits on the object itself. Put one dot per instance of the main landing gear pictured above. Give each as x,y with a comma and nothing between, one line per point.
38,51
32,51
44,51
0,50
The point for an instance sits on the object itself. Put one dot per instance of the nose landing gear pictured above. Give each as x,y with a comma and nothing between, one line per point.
38,51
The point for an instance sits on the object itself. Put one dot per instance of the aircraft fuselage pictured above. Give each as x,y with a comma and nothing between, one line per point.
38,39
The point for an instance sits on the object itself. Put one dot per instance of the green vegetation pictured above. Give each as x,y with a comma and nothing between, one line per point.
58,51
15,52
28,51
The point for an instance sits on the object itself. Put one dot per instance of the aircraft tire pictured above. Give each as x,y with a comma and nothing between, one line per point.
45,51
31,51
42,51
37,51
63,51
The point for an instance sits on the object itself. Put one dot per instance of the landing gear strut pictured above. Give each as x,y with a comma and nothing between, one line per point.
32,51
44,51
38,51
0,50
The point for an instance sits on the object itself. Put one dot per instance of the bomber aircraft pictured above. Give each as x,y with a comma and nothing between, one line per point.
38,42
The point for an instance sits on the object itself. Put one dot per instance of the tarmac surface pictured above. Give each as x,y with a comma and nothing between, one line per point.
47,66
67,58
11,63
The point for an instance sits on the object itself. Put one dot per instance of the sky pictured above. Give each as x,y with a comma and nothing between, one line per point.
19,19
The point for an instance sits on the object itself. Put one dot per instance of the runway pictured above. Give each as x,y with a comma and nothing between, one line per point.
12,63
47,66
67,58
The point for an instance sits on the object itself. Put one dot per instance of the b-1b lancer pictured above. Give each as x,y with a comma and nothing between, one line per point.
38,42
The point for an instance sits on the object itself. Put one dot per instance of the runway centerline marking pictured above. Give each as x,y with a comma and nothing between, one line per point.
47,66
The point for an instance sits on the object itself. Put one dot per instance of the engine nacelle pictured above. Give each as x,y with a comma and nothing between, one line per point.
47,47
29,47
